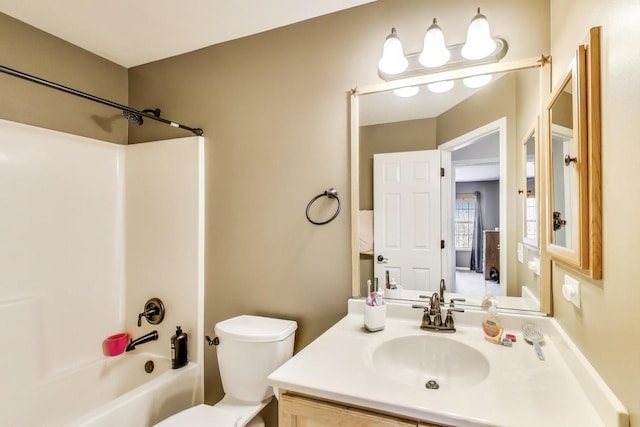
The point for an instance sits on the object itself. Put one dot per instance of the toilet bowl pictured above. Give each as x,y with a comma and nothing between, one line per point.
249,349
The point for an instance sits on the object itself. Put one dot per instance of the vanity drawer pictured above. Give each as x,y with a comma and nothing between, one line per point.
301,411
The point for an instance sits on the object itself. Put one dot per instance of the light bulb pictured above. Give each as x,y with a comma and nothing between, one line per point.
406,92
479,42
393,60
435,52
441,87
477,81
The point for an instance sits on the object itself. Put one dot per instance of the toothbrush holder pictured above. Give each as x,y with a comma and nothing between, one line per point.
375,317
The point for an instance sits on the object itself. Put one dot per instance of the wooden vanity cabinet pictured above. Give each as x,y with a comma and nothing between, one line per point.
296,410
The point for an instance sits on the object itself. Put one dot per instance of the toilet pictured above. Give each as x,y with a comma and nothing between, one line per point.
249,349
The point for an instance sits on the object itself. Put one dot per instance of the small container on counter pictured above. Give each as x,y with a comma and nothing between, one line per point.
375,310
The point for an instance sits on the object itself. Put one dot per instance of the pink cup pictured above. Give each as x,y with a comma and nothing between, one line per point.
115,344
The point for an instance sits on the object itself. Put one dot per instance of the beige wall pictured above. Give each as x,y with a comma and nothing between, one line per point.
35,52
605,328
274,108
409,135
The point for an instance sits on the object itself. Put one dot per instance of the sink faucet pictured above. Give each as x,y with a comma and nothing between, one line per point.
435,323
151,336
442,289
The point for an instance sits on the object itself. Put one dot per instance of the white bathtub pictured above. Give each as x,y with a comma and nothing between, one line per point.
117,391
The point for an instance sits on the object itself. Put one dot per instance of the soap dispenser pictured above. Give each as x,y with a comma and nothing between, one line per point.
179,349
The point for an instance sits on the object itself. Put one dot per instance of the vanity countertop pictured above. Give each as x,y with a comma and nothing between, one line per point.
520,390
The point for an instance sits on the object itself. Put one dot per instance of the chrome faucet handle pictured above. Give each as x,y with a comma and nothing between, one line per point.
452,301
448,322
426,318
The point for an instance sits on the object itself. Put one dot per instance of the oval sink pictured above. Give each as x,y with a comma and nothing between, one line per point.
417,360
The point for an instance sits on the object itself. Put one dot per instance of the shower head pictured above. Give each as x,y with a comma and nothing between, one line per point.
133,118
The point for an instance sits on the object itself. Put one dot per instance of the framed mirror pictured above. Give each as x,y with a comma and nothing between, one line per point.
573,164
473,131
530,186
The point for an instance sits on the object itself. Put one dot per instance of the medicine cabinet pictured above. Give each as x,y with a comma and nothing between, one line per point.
573,163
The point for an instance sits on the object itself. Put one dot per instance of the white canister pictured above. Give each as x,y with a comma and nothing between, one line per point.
375,317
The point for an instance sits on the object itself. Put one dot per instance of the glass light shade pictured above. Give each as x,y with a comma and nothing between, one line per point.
479,42
393,60
435,52
441,87
406,92
477,81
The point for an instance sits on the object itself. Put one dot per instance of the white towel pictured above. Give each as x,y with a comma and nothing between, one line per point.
365,232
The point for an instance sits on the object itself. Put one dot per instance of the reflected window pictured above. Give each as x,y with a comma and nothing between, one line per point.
532,226
464,219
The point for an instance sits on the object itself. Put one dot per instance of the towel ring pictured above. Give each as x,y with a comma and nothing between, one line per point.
331,193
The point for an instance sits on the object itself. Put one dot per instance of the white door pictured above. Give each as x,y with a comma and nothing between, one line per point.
406,202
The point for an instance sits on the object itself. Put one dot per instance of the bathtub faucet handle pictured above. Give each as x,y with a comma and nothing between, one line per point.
153,312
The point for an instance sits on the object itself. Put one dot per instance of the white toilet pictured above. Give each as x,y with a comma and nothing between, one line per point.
250,348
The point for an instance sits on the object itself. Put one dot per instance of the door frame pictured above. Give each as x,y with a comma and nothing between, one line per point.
448,199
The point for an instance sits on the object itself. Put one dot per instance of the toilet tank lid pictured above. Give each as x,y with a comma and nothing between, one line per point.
256,328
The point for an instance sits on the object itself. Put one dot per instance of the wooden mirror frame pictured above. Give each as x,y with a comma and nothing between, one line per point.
586,257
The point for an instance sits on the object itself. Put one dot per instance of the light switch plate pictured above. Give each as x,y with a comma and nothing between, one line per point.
571,290
520,252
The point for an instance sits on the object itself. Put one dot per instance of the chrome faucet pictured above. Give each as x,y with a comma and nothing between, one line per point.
151,336
435,323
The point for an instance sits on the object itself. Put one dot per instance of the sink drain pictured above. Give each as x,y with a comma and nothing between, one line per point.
149,366
432,385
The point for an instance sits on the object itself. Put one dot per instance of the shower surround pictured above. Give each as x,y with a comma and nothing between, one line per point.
90,230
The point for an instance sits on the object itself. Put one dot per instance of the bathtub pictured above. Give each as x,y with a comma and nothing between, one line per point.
117,391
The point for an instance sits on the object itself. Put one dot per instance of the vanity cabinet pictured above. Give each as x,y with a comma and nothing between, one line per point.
295,410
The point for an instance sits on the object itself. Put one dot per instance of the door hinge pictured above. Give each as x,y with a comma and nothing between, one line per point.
441,244
441,172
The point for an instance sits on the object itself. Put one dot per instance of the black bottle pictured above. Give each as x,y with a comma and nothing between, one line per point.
179,349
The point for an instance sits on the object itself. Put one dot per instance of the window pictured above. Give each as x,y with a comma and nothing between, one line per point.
465,216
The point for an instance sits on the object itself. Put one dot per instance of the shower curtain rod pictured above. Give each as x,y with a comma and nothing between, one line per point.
94,98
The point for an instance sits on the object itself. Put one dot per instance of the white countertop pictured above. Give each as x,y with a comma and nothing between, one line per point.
520,390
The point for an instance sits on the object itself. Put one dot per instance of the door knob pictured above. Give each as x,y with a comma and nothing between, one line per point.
382,259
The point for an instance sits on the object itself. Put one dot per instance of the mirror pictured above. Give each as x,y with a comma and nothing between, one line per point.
567,176
530,187
476,136
573,153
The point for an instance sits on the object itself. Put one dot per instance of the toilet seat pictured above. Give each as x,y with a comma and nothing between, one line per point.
202,416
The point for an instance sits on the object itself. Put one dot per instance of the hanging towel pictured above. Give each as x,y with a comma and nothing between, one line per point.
365,232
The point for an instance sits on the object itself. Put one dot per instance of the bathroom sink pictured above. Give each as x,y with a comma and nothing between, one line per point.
421,360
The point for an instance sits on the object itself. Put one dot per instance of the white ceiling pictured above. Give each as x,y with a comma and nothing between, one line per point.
135,32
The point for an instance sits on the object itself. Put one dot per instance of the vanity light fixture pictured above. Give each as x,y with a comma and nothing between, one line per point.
477,81
480,48
435,52
479,41
393,60
406,92
441,87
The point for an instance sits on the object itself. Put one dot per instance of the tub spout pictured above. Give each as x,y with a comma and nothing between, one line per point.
151,336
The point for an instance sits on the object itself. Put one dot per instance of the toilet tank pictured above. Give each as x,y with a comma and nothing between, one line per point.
250,348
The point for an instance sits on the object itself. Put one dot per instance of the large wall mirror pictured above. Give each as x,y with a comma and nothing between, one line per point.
573,153
411,226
